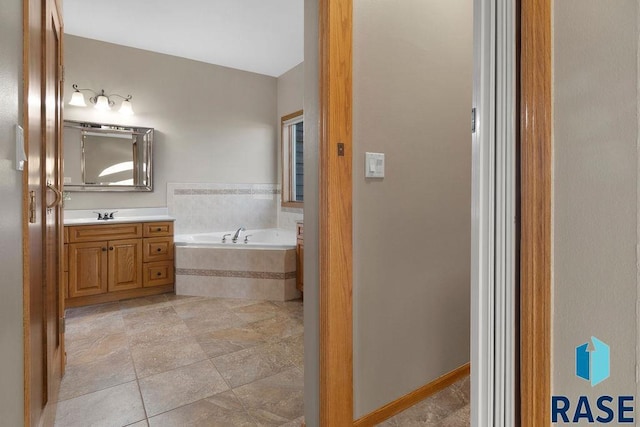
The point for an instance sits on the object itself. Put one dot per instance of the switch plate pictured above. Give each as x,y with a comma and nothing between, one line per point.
374,165
21,156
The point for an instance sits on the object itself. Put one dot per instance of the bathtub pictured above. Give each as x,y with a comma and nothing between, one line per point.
263,268
267,238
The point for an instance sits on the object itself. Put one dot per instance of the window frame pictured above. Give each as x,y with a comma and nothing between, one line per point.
286,150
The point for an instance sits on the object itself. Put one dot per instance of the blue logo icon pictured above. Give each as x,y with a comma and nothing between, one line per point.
593,364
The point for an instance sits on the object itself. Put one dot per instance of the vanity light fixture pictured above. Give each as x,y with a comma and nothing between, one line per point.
101,100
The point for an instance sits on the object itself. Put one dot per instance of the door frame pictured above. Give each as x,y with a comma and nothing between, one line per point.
532,33
536,193
335,212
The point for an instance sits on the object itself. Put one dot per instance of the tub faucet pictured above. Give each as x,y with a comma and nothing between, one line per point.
235,236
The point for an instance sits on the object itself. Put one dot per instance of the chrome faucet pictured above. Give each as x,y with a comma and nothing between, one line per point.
235,236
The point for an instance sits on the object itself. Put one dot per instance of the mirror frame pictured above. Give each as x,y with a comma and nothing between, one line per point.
102,127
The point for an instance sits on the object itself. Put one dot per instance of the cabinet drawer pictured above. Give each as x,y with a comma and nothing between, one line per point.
158,249
91,233
158,273
158,229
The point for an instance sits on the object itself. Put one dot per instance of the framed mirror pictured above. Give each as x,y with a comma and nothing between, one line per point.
101,157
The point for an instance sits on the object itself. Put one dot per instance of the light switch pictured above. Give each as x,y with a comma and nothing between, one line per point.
374,165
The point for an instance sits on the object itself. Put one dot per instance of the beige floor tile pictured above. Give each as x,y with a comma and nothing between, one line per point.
202,308
142,423
255,312
144,303
92,310
209,322
103,372
240,302
188,384
87,350
435,409
142,321
94,327
181,299
278,327
170,330
295,423
460,418
159,356
115,406
276,399
252,364
221,410
224,341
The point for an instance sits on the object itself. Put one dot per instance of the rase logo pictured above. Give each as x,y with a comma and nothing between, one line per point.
593,364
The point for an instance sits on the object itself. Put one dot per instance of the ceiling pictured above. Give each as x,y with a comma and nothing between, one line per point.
262,36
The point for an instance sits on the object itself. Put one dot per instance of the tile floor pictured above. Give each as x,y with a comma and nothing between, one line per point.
176,361
189,361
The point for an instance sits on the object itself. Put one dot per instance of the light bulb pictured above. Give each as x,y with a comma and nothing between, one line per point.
77,99
102,103
126,108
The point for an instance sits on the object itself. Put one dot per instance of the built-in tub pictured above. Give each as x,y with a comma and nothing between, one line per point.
262,268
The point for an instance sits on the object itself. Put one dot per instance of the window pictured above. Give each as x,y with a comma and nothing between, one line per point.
292,160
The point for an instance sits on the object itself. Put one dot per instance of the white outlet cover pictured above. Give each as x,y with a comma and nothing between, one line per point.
374,165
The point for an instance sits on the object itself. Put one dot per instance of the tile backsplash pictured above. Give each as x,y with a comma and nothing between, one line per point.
205,207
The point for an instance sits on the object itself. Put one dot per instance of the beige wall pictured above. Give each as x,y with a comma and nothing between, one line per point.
595,189
412,100
311,275
212,124
11,350
290,100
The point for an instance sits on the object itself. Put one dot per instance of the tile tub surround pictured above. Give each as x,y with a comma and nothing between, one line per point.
169,360
208,207
268,274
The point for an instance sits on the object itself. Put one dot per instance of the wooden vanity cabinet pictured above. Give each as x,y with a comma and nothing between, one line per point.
300,256
109,262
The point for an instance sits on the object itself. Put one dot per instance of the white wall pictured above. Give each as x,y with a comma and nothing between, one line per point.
290,100
212,124
412,82
11,343
595,134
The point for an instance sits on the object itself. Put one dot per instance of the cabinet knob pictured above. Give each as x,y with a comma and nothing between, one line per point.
110,248
158,229
104,249
158,274
159,249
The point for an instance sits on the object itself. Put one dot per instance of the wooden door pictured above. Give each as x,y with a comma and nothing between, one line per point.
88,269
35,389
53,224
125,264
43,304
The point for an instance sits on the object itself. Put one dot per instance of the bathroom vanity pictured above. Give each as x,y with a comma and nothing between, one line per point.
300,256
111,261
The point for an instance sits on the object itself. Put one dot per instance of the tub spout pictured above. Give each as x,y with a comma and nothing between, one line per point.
235,236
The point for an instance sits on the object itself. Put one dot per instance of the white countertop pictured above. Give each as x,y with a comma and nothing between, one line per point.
89,216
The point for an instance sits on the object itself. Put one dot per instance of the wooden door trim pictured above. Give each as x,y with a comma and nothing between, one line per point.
535,257
335,213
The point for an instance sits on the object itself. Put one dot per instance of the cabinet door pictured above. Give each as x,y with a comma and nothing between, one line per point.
87,269
300,266
125,264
